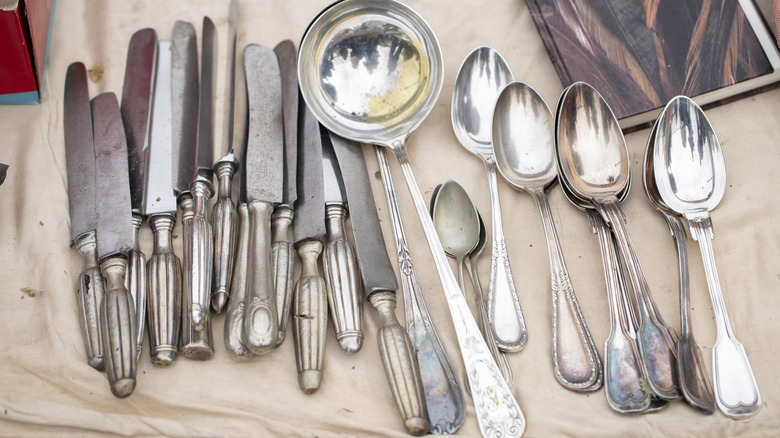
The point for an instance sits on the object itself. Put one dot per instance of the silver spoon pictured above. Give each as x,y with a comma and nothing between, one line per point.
524,146
371,71
693,378
593,158
462,234
690,175
480,79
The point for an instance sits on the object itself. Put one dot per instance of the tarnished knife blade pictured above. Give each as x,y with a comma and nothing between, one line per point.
264,186
136,108
208,83
115,239
311,300
379,285
283,258
184,107
338,259
80,159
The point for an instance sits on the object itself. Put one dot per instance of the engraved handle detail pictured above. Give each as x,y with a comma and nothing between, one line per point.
310,317
341,277
223,221
199,244
283,262
117,320
91,292
260,319
165,291
234,318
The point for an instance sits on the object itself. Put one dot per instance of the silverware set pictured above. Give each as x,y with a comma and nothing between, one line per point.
370,71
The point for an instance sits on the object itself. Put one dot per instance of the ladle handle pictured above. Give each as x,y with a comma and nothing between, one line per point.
623,373
506,316
736,390
443,396
498,413
575,358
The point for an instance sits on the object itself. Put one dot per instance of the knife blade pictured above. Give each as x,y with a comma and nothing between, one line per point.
80,157
115,239
338,259
136,108
159,205
379,286
283,254
264,186
310,309
223,216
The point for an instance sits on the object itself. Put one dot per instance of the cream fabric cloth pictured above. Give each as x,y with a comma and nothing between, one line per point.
48,389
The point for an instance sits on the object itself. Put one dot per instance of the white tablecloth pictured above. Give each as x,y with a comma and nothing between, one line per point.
48,389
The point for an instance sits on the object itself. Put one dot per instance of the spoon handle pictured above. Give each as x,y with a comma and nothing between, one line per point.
656,339
575,358
623,373
736,390
506,316
443,396
497,411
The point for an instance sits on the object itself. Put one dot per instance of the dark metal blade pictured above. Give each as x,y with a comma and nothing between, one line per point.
136,107
184,104
333,186
114,227
79,151
372,255
234,123
310,206
208,83
288,64
265,143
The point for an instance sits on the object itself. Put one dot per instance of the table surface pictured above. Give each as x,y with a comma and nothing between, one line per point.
48,389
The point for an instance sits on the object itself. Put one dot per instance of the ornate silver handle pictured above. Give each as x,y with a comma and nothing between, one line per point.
234,318
497,410
283,262
506,316
117,320
195,344
575,359
401,368
310,317
736,390
341,277
621,359
91,292
165,290
223,222
260,319
199,242
135,282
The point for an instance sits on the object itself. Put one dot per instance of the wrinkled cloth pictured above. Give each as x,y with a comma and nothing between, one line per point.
49,390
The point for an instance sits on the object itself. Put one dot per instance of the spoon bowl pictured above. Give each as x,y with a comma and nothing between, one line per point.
456,222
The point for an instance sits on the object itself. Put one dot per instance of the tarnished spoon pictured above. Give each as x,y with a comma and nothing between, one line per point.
690,174
593,158
693,378
524,146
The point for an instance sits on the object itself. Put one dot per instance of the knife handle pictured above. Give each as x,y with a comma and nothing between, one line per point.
310,317
260,320
200,250
91,292
224,223
400,363
341,277
234,317
164,273
117,320
195,344
135,282
283,262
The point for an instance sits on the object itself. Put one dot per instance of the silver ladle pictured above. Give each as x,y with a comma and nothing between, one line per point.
463,235
690,174
524,146
371,71
693,378
480,79
593,159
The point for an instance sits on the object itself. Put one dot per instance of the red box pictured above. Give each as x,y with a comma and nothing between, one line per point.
24,38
